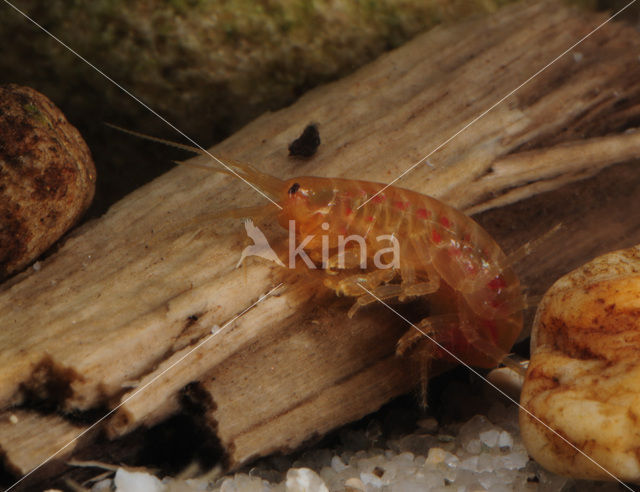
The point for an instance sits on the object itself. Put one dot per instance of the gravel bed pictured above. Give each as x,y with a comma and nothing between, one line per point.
482,453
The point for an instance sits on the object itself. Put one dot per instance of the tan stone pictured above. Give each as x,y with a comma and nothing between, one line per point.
584,377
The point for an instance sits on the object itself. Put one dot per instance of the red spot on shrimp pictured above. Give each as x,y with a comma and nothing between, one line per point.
370,218
435,236
497,283
444,221
379,198
348,210
423,213
401,205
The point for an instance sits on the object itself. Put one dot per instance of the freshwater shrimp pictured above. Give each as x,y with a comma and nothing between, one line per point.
475,298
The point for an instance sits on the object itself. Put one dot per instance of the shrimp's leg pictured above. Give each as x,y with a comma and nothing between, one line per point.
355,285
411,284
514,365
482,340
347,259
428,330
411,287
413,336
352,285
381,293
420,288
492,351
423,350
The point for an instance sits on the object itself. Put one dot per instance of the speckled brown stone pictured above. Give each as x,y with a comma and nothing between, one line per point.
47,176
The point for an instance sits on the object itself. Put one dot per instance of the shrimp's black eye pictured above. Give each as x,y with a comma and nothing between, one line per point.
294,188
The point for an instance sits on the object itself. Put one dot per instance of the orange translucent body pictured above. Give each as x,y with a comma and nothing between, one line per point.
477,282
476,312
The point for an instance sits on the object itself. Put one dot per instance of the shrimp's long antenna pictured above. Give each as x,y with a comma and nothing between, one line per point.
269,186
527,248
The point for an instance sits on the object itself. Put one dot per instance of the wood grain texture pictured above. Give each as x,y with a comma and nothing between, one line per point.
28,438
129,294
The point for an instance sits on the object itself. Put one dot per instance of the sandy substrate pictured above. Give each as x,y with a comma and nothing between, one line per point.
483,452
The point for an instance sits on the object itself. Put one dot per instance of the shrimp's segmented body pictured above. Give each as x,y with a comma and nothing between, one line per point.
476,308
475,297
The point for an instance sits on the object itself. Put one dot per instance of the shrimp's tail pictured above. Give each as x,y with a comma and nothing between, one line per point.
265,183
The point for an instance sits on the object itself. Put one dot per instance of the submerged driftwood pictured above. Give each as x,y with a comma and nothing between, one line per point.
129,295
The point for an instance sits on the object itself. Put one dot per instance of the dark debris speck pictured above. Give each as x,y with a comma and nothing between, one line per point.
307,143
